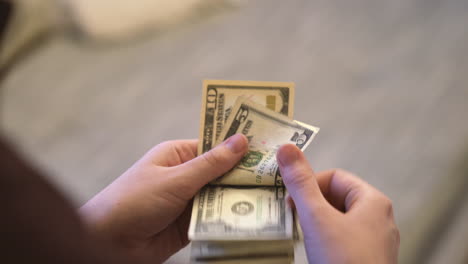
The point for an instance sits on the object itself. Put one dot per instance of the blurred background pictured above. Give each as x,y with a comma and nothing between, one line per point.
88,86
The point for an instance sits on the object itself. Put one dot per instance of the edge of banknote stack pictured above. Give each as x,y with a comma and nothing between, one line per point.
243,216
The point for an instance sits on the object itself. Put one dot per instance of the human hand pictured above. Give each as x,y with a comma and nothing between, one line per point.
344,219
146,210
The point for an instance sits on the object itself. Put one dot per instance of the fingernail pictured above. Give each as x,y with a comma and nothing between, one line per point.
287,154
236,143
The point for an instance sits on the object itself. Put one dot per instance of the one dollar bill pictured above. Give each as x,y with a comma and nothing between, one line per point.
233,213
219,96
209,250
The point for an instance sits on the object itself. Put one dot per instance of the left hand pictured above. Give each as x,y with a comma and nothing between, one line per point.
146,211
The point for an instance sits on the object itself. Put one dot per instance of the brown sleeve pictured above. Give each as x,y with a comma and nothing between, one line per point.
6,9
38,225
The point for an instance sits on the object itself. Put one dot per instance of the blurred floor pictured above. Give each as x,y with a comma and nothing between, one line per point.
386,81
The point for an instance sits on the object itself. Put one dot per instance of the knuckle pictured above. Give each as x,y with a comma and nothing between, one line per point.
396,235
393,234
212,158
296,177
156,150
387,203
164,145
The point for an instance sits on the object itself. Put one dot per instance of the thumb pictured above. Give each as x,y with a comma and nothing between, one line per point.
300,180
210,165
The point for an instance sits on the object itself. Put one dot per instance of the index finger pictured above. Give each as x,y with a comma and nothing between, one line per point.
172,153
345,191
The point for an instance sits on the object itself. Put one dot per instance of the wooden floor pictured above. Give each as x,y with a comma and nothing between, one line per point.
387,82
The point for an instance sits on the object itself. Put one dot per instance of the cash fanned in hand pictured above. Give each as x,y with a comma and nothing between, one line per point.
243,217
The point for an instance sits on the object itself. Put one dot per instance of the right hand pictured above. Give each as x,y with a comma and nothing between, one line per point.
343,218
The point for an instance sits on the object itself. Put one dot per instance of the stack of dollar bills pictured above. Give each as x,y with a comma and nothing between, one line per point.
243,216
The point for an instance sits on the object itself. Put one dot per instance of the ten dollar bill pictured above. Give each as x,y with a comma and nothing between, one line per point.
219,97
